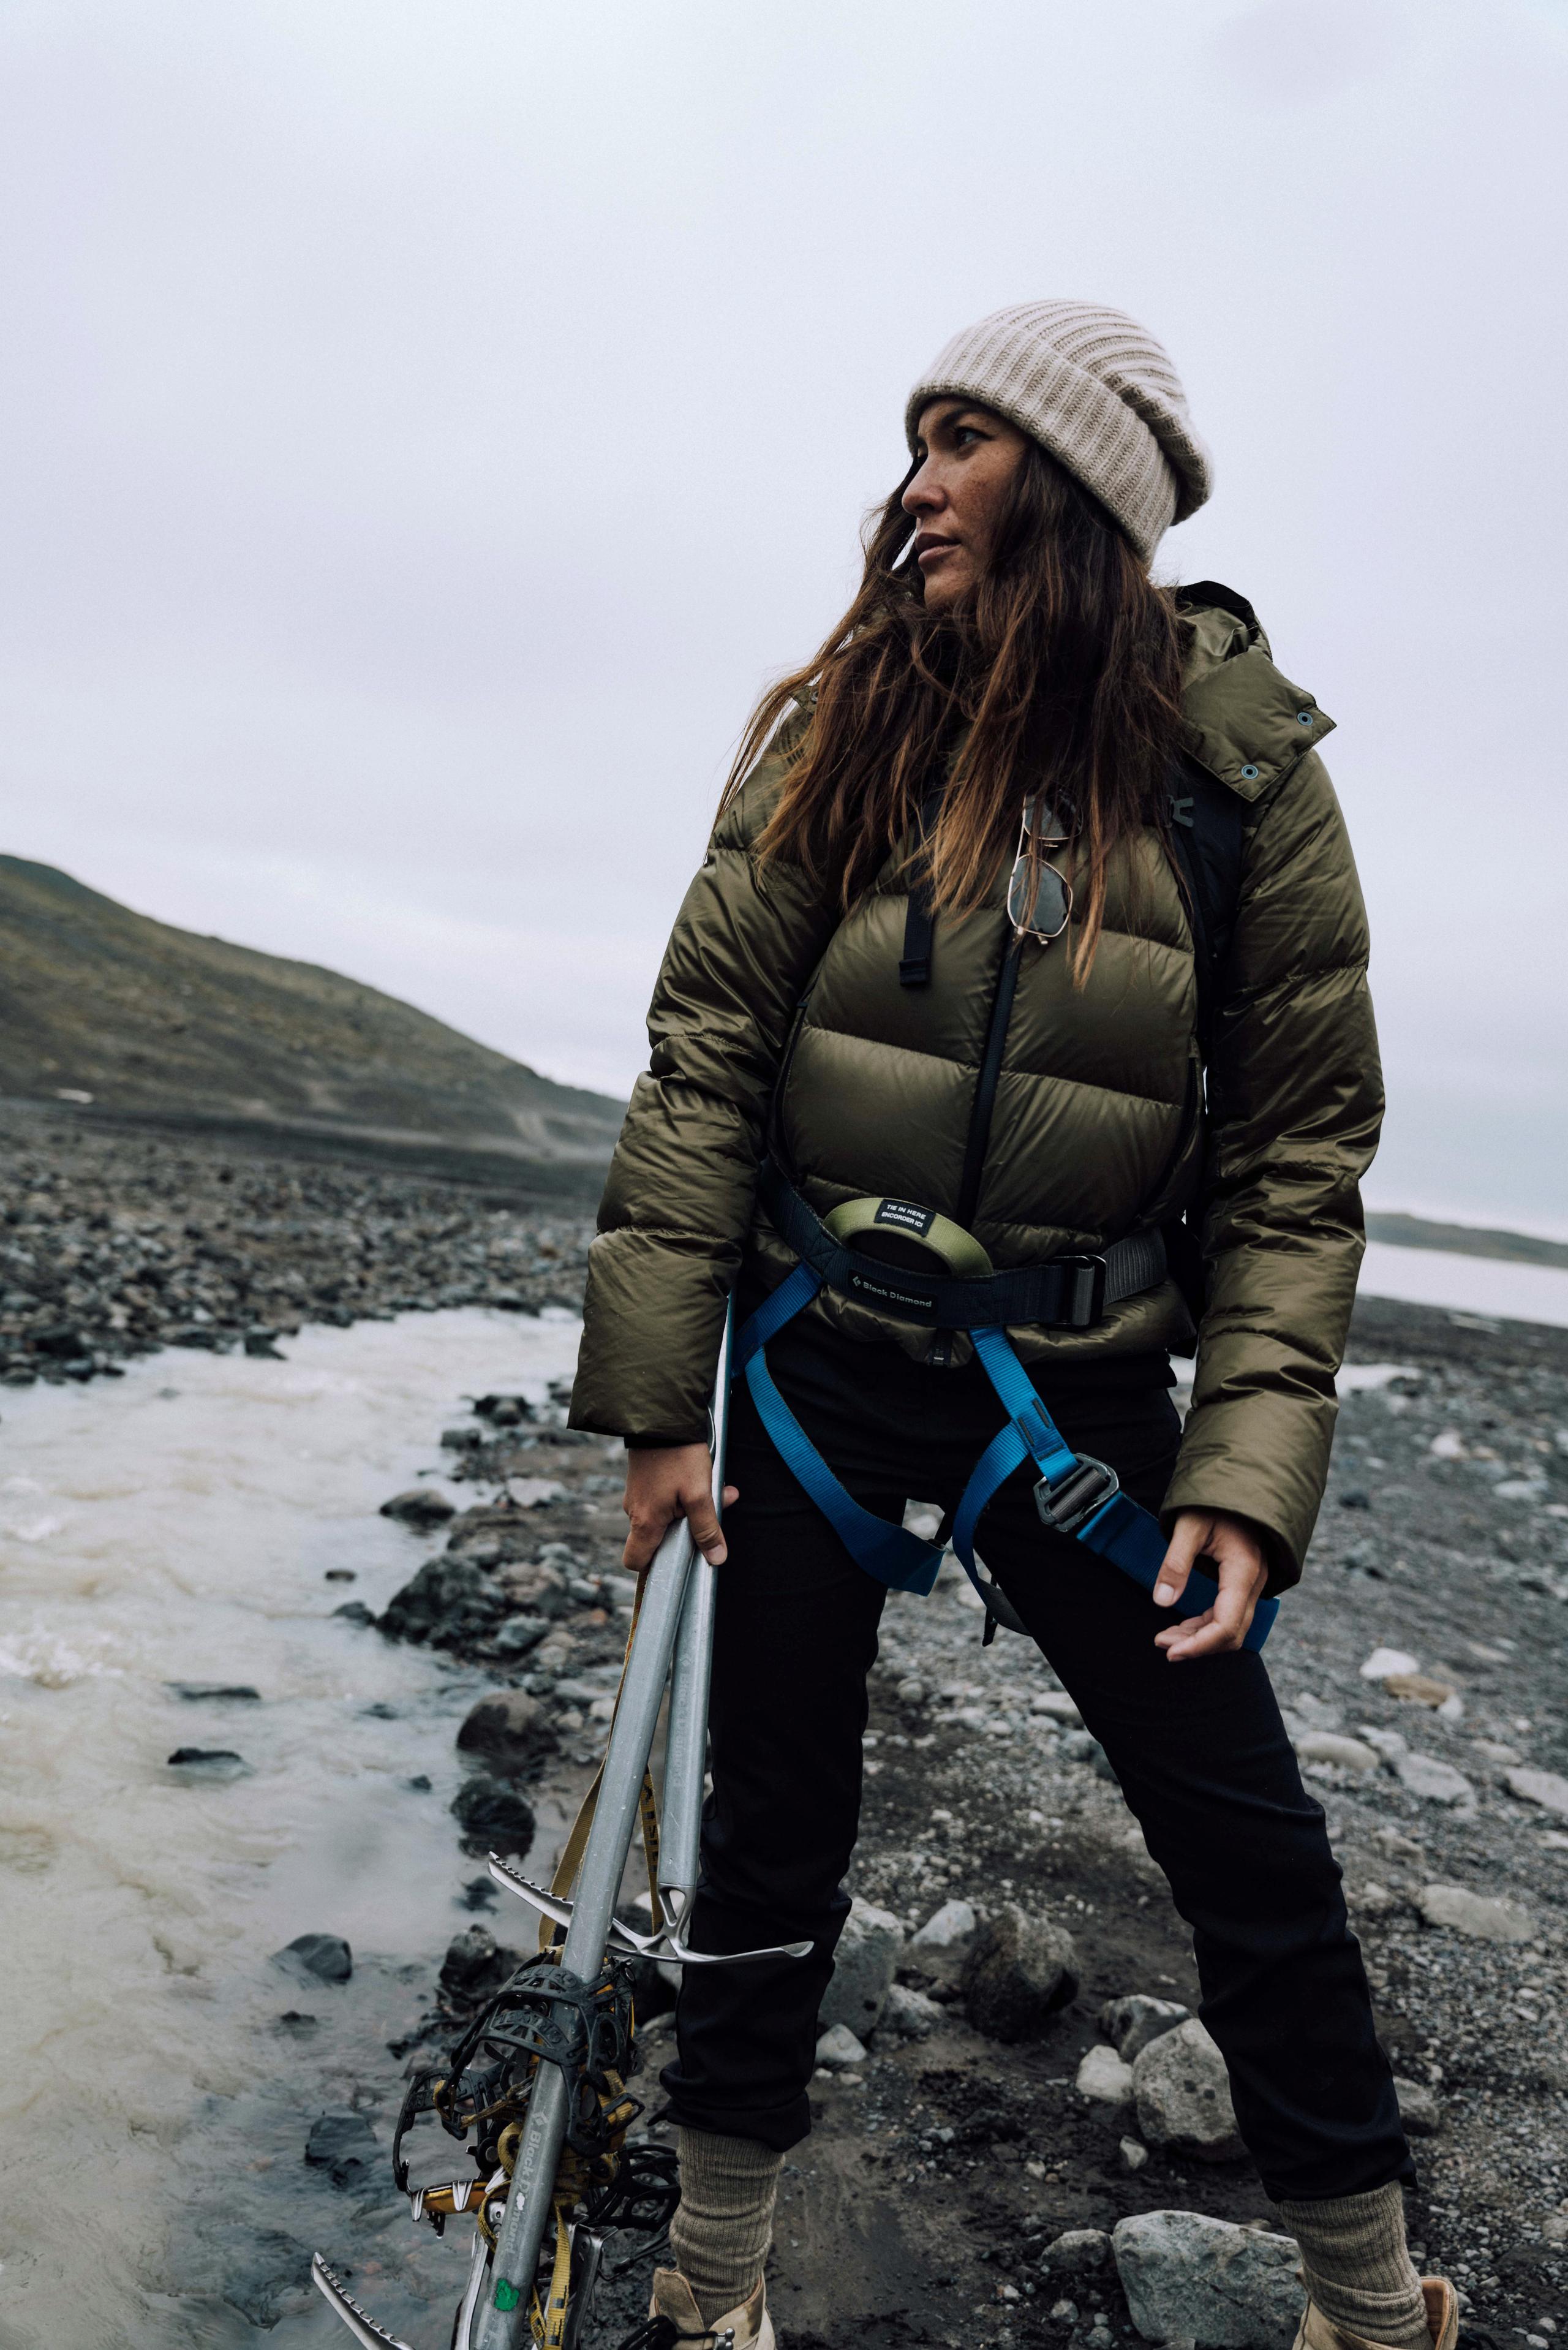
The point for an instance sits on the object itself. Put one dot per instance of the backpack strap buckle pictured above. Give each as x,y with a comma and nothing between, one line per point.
1084,1291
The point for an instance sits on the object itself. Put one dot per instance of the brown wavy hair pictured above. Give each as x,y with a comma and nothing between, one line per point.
1064,667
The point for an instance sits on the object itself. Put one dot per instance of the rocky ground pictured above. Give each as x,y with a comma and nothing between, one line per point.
988,2123
979,2111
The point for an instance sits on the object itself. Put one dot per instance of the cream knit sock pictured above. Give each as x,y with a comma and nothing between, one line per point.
722,2231
1357,2269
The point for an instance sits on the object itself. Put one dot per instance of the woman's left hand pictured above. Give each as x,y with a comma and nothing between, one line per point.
1234,1550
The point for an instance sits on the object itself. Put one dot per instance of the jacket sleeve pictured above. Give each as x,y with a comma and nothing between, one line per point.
1295,1101
679,1200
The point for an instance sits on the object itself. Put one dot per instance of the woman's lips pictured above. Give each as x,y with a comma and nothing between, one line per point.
928,549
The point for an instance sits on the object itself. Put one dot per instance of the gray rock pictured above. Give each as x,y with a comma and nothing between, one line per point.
863,1965
941,1944
1183,2096
1065,2313
1133,2156
1104,2076
911,1691
1077,2253
419,1507
510,1727
839,2048
475,1963
1019,1969
260,2269
911,2014
1547,1788
1502,1920
1129,2024
316,1958
1434,1782
1343,1753
1191,2278
450,1601
1055,1705
1418,2109
493,1816
344,2146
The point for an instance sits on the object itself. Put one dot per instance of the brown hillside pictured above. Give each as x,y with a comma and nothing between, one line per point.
158,1025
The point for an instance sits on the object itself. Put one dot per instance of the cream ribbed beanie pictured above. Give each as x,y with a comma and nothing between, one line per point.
1094,388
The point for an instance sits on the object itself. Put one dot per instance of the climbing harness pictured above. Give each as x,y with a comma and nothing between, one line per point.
1075,1495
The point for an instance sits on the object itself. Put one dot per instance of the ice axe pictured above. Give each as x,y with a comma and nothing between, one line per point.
539,2076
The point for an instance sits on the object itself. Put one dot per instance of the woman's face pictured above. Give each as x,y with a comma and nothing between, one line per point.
966,459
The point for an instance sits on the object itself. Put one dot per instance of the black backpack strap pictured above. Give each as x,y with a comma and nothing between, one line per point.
920,920
1204,833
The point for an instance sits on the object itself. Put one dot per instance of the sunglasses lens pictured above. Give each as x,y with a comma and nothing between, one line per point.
1038,902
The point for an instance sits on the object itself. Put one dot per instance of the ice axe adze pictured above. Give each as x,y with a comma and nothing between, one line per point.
672,1642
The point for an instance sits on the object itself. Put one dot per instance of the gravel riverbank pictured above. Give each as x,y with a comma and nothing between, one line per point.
979,2099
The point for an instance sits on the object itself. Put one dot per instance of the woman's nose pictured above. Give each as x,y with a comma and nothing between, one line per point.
923,495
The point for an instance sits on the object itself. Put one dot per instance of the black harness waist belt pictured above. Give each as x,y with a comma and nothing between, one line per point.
1070,1293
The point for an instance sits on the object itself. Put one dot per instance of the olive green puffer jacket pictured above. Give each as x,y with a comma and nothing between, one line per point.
1104,1123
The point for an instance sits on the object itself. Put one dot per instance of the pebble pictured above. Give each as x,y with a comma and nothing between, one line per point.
1057,1706
863,1965
1132,2021
1434,1781
1189,2278
1501,1920
510,1727
1133,2155
1020,1970
1547,1788
1183,2096
1418,2109
494,1816
419,1506
941,1944
1078,2252
1343,1753
911,2013
1065,2313
1418,1688
325,1958
839,2048
1103,2075
1383,1661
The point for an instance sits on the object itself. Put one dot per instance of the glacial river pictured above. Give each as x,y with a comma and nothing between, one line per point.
174,1529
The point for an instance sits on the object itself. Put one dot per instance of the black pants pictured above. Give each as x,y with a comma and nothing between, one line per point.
1200,1750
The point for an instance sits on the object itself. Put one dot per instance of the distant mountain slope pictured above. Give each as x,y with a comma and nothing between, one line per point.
158,1025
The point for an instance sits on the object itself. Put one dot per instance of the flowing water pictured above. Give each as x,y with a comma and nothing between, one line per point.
173,1530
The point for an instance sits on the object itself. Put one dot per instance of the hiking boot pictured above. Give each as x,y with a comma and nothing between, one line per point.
1315,2333
748,2326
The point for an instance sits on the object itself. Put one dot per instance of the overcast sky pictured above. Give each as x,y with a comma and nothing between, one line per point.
426,426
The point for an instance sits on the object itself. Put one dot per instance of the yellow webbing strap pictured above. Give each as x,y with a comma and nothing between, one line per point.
572,1851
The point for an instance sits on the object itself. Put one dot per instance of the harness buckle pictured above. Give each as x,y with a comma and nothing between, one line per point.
1083,1491
1085,1303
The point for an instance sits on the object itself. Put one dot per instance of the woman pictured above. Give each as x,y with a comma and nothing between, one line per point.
943,961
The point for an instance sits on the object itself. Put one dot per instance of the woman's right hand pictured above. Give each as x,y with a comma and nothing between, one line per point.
665,1483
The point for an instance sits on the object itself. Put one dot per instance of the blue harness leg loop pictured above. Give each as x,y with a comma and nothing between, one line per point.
1115,1528
889,1553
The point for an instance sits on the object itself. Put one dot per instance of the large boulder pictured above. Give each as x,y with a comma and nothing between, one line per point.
510,1729
1019,1971
1183,2096
863,1965
1191,2278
